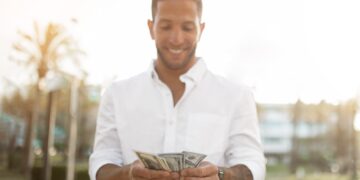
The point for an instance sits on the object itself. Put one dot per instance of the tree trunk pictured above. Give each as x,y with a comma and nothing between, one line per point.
73,130
352,112
49,138
30,135
12,145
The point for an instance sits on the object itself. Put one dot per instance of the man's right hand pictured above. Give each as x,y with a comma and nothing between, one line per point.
134,171
139,172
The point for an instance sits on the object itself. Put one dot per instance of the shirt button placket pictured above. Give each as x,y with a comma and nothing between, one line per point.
172,128
170,135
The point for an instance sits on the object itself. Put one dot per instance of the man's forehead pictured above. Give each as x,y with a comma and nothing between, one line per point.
176,0
178,3
164,20
180,9
177,19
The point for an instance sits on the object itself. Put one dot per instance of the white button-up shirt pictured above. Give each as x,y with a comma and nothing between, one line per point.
213,117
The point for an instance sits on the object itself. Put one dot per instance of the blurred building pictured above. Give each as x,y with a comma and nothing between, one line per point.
278,132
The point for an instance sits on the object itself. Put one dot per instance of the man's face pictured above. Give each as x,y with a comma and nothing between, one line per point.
176,30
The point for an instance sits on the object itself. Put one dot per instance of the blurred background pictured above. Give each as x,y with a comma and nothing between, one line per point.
300,57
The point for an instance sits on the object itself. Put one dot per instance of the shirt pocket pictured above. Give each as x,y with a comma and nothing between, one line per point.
206,133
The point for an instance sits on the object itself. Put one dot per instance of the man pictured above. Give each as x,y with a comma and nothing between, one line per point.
177,105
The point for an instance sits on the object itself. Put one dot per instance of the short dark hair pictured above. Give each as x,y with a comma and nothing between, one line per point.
155,2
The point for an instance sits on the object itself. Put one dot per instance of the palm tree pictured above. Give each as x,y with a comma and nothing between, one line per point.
43,53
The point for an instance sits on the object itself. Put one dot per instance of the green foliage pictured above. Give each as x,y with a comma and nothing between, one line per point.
281,172
59,173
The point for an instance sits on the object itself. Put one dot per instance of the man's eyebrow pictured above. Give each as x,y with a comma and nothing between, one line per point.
189,22
164,20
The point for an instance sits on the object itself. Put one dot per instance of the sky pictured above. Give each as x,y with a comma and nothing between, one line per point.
283,49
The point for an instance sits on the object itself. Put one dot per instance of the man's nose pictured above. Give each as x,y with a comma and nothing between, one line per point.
177,37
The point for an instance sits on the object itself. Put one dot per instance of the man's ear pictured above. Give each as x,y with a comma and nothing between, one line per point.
150,26
202,27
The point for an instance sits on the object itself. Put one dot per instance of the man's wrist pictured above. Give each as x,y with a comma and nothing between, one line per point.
221,173
238,172
113,172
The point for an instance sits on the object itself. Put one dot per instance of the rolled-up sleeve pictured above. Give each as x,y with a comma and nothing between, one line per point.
107,143
244,142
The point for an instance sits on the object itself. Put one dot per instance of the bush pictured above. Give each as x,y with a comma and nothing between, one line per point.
59,173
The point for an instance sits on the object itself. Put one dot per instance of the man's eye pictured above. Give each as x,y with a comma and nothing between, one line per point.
188,28
165,27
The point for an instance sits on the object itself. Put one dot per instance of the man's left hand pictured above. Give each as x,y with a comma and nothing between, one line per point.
205,171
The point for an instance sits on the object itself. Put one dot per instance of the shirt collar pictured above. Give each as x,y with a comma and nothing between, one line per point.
194,74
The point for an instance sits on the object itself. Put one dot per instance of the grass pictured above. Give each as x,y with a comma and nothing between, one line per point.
281,172
10,175
278,172
317,176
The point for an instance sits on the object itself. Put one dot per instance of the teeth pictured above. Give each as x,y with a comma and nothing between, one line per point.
176,51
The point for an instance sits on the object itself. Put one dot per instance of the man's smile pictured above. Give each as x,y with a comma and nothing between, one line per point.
176,51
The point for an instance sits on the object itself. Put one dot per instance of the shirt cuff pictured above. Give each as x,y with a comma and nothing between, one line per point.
97,160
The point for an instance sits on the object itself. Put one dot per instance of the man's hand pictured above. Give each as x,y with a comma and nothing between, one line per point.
133,171
139,172
205,171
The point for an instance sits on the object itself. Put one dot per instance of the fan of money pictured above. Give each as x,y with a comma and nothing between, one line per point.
170,161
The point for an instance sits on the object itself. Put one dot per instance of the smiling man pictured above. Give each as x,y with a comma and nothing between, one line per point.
178,104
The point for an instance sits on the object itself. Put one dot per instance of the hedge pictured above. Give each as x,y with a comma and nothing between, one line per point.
59,173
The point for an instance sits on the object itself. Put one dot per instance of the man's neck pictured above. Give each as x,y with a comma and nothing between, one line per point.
170,76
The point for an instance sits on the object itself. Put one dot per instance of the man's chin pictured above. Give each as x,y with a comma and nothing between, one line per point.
175,66
175,63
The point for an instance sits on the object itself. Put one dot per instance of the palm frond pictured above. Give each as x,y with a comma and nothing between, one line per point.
25,36
37,34
19,48
44,51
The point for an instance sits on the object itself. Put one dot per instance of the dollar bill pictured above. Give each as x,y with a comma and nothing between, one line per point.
192,159
164,164
174,160
170,161
150,161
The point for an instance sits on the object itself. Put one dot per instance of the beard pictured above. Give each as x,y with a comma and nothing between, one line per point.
176,66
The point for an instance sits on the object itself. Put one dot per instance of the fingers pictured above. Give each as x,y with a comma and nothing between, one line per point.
167,178
139,178
206,169
139,171
175,175
214,177
149,174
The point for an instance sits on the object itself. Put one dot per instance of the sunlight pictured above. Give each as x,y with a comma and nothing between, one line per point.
308,54
357,121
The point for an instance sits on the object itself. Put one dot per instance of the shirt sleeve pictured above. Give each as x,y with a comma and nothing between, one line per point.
106,148
244,142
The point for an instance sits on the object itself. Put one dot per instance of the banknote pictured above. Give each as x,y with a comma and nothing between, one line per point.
170,161
174,160
164,164
192,159
150,161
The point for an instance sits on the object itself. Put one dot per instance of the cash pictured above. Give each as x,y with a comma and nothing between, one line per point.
170,161
192,159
